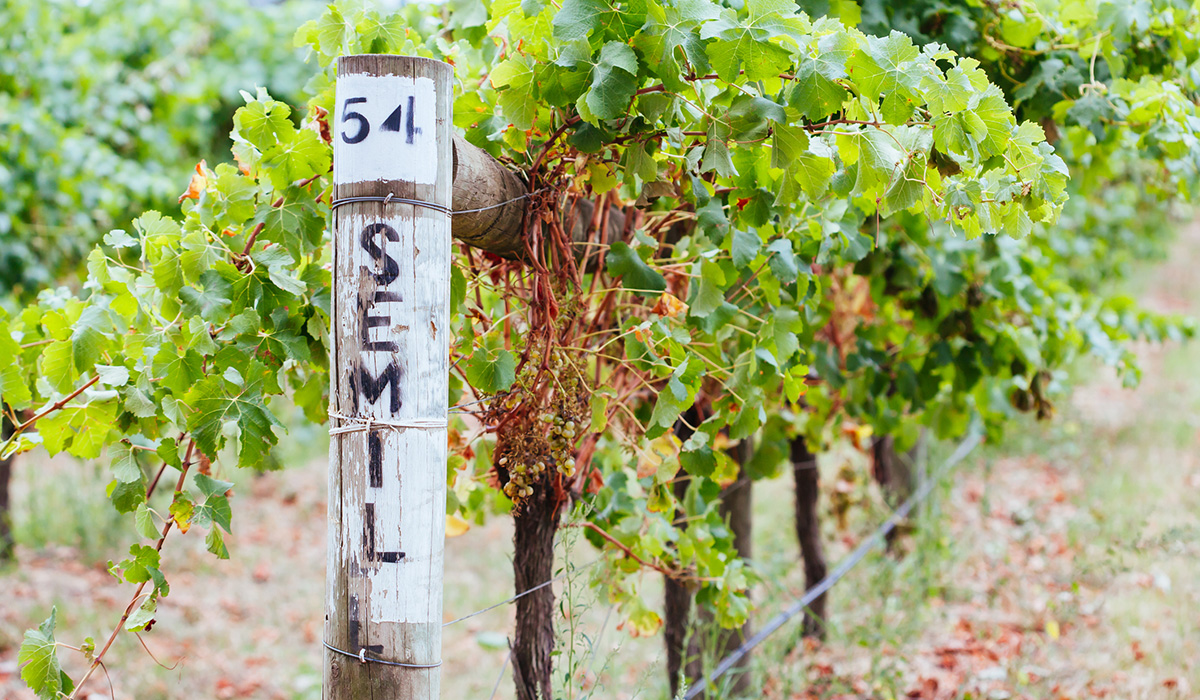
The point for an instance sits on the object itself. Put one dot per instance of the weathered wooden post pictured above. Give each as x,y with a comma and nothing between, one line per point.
388,373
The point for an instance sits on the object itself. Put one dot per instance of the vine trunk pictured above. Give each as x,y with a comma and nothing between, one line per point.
808,532
535,524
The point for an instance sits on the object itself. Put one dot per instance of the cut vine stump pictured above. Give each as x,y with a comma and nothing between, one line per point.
389,377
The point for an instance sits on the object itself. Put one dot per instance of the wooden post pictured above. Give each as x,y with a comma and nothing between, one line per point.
388,375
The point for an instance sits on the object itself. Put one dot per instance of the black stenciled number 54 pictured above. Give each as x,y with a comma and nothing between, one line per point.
392,123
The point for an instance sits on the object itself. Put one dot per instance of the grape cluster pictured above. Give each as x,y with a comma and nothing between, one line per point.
521,476
562,443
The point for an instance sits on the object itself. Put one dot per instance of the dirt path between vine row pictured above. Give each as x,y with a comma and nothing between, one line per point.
1074,565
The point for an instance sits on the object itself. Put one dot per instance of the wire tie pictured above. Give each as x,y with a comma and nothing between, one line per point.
363,658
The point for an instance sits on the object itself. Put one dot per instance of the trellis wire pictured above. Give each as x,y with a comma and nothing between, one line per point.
503,668
525,592
843,567
392,199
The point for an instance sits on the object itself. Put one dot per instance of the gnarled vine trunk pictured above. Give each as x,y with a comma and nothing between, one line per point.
808,532
533,563
690,644
677,611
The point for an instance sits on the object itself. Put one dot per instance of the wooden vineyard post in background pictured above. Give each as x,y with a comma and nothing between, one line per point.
388,377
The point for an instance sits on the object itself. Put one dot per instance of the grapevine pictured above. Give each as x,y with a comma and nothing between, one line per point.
797,228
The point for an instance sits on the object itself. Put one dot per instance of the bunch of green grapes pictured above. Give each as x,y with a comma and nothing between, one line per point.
531,446
566,422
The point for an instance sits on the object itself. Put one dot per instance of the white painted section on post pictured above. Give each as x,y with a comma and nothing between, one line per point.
396,118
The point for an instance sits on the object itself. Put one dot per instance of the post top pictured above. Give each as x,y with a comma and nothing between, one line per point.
393,64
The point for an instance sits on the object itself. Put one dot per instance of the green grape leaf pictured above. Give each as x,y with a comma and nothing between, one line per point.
126,497
264,122
816,92
787,144
578,18
491,371
143,521
516,75
124,464
883,69
296,224
710,292
301,158
82,429
215,542
782,260
242,411
879,160
38,658
87,338
142,616
613,81
716,154
142,566
744,247
635,274
112,375
14,389
215,509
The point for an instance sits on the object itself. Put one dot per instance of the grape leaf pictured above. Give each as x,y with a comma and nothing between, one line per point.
613,81
491,371
38,656
624,262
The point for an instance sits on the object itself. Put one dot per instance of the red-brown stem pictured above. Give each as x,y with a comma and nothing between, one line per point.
137,594
276,204
53,407
254,236
629,552
734,295
163,468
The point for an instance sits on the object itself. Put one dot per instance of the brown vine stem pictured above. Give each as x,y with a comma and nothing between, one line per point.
163,468
137,594
628,552
57,405
546,148
276,204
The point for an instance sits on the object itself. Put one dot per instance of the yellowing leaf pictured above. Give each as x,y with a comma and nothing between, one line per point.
669,305
661,460
456,526
1052,629
601,177
643,623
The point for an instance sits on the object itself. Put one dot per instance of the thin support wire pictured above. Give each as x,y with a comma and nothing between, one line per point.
496,688
843,567
393,199
525,593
